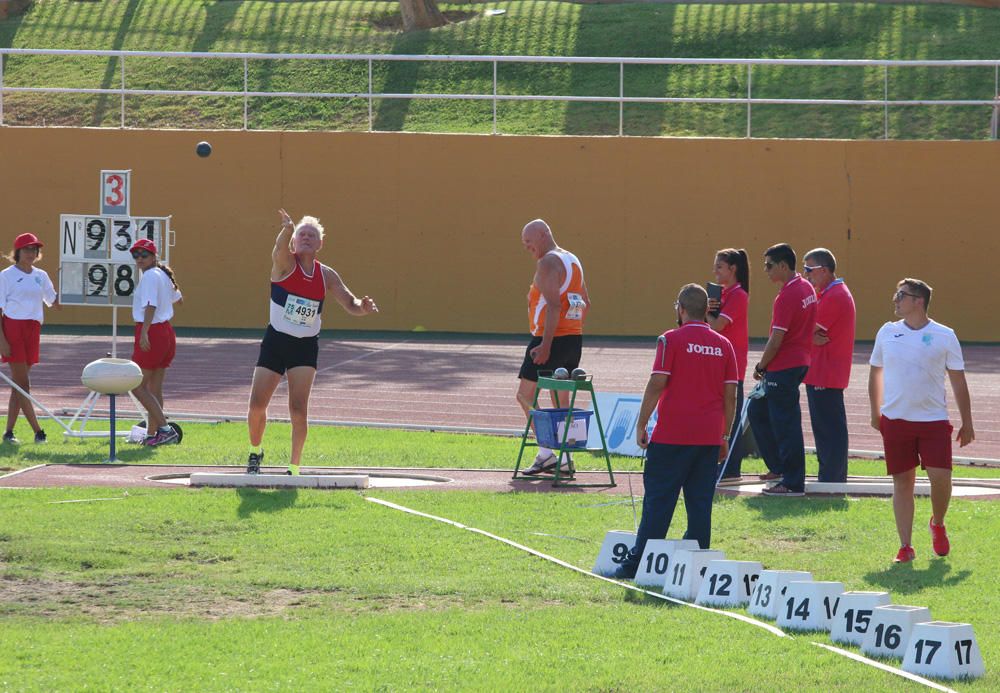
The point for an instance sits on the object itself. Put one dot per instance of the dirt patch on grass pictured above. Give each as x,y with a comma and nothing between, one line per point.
393,21
127,600
111,602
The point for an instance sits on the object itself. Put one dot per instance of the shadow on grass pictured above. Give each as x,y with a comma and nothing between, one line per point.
633,597
8,30
778,508
29,455
254,500
903,578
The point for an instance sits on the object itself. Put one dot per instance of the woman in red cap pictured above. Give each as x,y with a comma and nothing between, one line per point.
155,342
23,290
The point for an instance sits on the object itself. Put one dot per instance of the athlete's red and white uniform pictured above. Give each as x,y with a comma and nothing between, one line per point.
297,302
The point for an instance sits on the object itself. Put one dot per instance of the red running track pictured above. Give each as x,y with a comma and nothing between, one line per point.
427,381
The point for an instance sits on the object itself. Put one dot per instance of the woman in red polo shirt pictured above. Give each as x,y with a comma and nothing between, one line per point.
23,290
732,270
155,342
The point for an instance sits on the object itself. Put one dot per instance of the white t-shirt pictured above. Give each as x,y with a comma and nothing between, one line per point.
22,293
914,363
155,289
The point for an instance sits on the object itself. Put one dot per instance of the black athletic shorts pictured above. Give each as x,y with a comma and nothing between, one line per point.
280,351
565,353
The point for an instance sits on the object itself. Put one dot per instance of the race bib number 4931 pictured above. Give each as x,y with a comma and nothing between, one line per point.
301,311
576,306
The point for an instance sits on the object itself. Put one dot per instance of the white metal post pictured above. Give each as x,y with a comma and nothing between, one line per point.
114,332
749,96
371,120
246,98
994,120
494,97
122,58
885,101
621,99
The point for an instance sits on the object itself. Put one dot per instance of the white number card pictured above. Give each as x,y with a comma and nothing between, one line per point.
301,311
576,306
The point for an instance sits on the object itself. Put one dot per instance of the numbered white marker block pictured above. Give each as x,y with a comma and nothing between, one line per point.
656,560
809,605
944,650
890,629
688,569
728,583
855,615
770,589
614,551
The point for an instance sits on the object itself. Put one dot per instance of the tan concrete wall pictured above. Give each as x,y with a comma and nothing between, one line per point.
429,224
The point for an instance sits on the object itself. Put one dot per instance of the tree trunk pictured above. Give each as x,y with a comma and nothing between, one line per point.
420,14
12,8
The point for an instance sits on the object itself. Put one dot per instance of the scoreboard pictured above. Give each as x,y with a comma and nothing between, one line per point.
95,263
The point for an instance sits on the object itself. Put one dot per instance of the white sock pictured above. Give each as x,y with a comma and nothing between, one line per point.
543,451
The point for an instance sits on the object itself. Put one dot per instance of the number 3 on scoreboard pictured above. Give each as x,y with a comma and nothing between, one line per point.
115,192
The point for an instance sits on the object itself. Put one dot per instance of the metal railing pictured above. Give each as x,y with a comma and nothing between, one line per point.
749,100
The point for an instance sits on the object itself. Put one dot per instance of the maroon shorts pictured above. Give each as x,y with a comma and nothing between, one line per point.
162,345
23,337
912,443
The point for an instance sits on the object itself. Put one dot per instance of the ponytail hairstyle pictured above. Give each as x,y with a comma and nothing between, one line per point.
738,259
169,272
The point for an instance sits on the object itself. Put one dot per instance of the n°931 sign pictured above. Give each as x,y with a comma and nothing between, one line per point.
96,266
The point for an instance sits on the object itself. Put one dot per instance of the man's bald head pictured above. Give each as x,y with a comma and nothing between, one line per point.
536,228
537,237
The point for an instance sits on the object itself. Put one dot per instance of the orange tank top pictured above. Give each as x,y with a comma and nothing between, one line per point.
571,302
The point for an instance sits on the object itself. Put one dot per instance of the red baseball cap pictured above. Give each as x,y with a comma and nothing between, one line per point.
26,239
143,244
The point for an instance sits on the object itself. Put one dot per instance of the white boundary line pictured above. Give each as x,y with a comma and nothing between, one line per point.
363,356
885,667
284,381
739,617
22,471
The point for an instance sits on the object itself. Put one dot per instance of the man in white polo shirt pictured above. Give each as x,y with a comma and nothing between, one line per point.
907,393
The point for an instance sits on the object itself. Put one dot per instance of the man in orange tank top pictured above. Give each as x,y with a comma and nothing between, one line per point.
557,305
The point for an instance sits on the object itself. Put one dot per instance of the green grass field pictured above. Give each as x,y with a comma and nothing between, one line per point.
176,589
529,27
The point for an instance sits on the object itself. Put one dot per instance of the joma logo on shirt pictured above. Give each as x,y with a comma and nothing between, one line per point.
705,350
808,301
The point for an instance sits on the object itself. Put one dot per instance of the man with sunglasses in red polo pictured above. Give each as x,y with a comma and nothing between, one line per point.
776,418
830,363
906,389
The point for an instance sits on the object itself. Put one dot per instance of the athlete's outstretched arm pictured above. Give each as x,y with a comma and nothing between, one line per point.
282,259
347,300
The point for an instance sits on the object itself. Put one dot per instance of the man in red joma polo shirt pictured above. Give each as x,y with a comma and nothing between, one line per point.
693,389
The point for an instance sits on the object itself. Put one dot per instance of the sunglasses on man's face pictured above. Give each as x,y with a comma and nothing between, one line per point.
807,268
898,296
142,254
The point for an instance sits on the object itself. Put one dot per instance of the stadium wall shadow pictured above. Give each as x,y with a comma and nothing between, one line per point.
429,224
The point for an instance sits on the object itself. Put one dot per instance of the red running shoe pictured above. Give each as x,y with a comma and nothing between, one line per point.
939,538
905,555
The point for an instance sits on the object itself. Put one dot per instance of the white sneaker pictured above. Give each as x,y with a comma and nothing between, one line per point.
542,463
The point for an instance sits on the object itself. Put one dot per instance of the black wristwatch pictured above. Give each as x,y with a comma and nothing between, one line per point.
758,370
